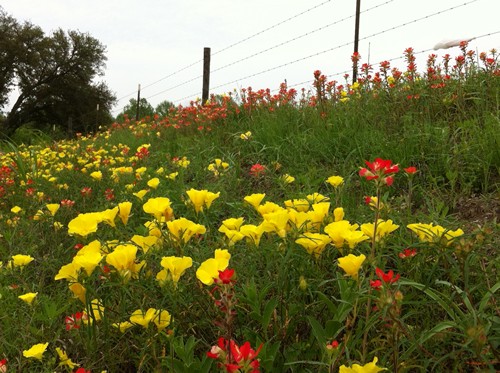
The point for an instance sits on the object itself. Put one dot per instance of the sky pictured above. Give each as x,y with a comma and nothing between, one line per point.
260,43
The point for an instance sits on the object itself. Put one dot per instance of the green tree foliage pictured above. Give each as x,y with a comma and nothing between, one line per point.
164,108
56,76
130,110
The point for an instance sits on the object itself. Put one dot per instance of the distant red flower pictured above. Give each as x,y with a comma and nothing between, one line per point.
388,277
73,321
380,170
86,192
376,284
67,203
78,246
332,345
257,169
410,170
225,276
82,370
408,253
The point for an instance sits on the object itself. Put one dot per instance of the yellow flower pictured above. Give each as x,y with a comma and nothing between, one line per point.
435,233
21,260
176,266
84,224
124,211
65,360
53,207
162,319
154,182
317,198
68,272
16,209
383,229
338,214
78,291
87,260
287,179
201,198
123,326
210,268
123,260
351,264
159,207
172,175
338,231
252,232
181,230
28,297
145,243
246,135
138,317
277,222
335,181
108,216
367,368
36,351
255,199
140,194
97,310
231,224
96,175
314,243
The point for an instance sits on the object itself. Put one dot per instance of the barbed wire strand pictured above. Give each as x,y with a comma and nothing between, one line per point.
345,44
296,38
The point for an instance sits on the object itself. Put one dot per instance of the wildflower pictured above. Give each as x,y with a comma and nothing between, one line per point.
387,278
238,358
73,321
154,182
159,207
332,345
67,203
351,264
16,209
410,170
246,135
176,266
145,242
124,211
123,260
335,181
86,192
36,351
28,297
435,233
252,232
367,368
142,318
21,260
53,207
162,319
257,170
225,276
84,224
201,198
314,243
123,326
3,366
287,179
96,175
140,194
64,359
408,253
380,170
209,269
384,228
172,175
255,199
181,230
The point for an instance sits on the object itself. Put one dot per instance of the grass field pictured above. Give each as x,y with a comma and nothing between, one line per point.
350,228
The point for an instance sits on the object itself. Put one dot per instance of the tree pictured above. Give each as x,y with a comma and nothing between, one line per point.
55,74
164,108
145,109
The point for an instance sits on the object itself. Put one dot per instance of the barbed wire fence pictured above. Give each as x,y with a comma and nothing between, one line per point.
216,89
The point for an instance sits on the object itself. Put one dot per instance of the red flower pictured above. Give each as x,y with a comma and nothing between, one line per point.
380,169
257,169
225,276
388,277
332,345
67,203
86,192
408,253
410,170
376,284
82,370
74,321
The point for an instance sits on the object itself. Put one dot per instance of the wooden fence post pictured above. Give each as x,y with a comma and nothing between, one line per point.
138,103
206,75
356,41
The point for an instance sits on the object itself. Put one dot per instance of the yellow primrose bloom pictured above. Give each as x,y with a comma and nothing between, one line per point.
269,207
160,171
78,291
64,359
209,270
122,258
53,207
278,221
21,260
384,228
181,230
162,319
287,179
88,261
36,351
338,214
108,216
335,181
154,182
253,233
338,230
435,233
159,207
124,211
97,310
201,198
231,224
96,175
314,243
351,264
316,198
142,318
367,368
145,243
140,194
172,175
246,135
28,297
84,224
176,266
123,326
301,205
254,199
68,272
16,209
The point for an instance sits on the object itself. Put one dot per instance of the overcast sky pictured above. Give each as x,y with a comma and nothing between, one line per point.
149,40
